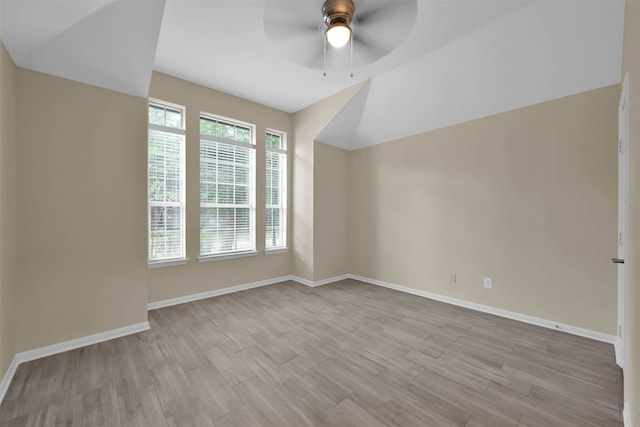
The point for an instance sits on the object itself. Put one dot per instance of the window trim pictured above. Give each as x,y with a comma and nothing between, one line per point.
161,262
284,194
167,129
227,255
251,145
275,251
219,140
167,262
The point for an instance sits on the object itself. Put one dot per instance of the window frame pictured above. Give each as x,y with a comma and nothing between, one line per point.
251,145
182,258
284,169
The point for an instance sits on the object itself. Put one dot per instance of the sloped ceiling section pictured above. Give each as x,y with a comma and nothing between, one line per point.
540,52
461,59
110,44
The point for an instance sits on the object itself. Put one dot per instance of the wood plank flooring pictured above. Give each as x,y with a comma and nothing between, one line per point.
344,354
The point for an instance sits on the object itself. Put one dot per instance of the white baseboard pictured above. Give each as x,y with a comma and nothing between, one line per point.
37,353
237,288
132,329
303,281
617,345
331,280
574,330
320,282
49,350
626,415
216,292
6,381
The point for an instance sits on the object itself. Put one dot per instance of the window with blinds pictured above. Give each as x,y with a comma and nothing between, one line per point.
227,200
276,191
166,195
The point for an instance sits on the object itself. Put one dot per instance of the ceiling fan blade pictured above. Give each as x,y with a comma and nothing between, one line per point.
285,13
370,11
369,36
372,47
383,12
293,30
365,53
381,27
299,47
312,57
275,19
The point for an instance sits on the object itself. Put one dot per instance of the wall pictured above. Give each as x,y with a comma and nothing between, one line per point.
307,124
195,277
527,197
631,64
8,276
331,219
81,210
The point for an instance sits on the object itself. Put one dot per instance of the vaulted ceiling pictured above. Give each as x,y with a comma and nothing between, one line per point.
444,61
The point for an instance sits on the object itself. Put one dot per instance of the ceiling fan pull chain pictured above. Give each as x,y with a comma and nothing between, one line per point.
352,56
324,62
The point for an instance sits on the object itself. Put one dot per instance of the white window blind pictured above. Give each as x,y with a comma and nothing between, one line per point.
166,195
276,191
227,176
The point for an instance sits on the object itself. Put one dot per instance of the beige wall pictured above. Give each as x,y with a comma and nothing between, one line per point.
8,143
195,277
307,124
331,219
526,197
81,210
631,64
302,190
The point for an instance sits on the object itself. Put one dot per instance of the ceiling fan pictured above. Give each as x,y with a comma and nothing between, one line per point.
315,34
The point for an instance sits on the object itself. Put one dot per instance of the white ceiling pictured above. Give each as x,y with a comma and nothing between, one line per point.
454,61
110,44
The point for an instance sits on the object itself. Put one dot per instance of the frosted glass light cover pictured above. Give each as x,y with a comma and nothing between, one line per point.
338,35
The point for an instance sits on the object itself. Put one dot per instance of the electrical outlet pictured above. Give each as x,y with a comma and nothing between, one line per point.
488,283
453,277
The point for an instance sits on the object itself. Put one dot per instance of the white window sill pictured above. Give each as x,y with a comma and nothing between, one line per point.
167,263
275,251
208,258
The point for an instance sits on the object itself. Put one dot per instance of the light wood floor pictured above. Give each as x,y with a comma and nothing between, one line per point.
345,354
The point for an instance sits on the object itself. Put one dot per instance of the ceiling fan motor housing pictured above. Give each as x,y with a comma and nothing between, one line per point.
338,12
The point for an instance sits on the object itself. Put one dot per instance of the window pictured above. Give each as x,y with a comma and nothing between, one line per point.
276,191
227,198
166,182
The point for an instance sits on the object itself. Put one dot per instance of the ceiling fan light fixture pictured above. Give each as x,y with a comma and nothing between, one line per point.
338,34
337,16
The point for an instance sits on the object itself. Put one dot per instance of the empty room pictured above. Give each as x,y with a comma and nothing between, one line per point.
320,213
